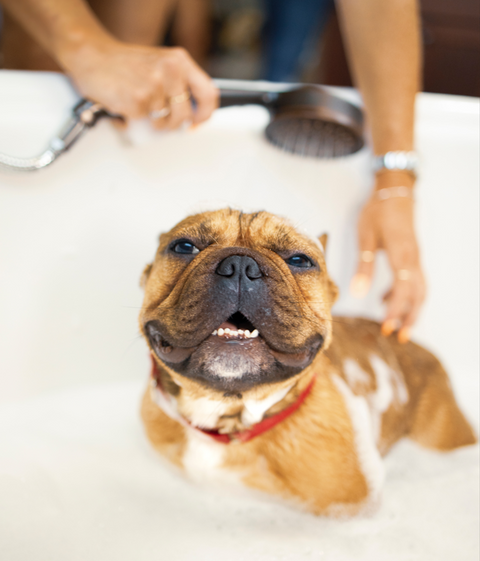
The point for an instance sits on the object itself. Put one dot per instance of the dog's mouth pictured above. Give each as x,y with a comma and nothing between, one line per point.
233,357
236,327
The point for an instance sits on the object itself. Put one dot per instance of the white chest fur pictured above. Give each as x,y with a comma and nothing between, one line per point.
205,412
204,459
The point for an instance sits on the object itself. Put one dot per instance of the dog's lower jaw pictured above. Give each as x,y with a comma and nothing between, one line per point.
230,370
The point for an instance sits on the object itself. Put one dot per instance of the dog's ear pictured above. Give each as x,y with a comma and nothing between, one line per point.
323,239
145,275
333,289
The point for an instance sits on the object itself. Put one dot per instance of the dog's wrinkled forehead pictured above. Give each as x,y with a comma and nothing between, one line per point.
227,227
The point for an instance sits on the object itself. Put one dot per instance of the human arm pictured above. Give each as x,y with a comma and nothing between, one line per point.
131,80
383,44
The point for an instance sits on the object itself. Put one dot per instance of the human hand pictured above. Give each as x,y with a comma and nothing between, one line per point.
388,224
136,81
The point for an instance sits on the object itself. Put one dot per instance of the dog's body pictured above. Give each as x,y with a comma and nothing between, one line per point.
342,401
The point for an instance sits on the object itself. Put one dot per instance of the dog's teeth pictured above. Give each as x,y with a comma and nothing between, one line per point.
240,333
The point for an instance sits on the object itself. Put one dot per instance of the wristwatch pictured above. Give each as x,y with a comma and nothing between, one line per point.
399,160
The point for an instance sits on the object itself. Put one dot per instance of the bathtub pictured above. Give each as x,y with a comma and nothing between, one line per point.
77,478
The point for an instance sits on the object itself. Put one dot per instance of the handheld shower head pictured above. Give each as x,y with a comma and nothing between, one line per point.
306,120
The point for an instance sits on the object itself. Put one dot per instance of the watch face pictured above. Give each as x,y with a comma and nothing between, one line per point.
396,160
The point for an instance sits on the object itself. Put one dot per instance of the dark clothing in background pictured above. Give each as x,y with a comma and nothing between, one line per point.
291,27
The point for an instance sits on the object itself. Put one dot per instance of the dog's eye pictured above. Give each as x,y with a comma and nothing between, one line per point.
187,248
299,260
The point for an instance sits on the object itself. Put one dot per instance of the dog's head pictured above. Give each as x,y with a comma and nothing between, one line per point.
237,300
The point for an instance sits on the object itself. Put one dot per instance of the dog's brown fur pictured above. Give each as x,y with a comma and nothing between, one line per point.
313,456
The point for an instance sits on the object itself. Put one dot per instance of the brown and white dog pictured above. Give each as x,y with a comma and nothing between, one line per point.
254,381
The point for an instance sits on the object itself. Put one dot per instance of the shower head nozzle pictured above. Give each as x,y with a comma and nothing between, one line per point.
306,120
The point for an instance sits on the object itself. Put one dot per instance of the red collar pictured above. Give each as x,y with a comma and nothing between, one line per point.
254,430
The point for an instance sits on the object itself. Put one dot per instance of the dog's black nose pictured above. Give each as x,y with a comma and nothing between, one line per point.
237,267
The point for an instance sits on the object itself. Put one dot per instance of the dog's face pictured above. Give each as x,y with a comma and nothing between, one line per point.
237,300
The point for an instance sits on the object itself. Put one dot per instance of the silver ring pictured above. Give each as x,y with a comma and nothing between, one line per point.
159,113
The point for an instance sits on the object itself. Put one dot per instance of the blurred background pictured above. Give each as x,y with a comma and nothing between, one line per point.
294,40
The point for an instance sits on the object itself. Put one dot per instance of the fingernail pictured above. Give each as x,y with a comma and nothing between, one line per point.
359,285
193,126
404,335
389,326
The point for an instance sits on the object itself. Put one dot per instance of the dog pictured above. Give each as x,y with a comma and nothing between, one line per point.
254,382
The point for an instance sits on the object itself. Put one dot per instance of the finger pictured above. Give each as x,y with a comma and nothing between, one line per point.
407,288
180,105
363,277
404,302
159,112
398,306
204,92
404,330
411,317
137,104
